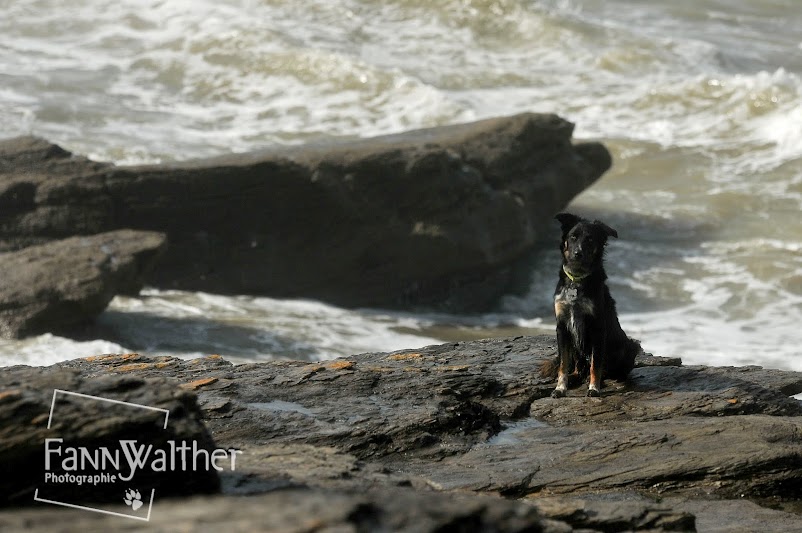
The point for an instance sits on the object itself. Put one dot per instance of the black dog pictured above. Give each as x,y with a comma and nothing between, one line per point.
589,338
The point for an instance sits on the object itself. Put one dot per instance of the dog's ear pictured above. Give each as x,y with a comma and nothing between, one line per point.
610,232
567,221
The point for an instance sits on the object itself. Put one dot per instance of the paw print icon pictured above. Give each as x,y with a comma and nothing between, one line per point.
133,499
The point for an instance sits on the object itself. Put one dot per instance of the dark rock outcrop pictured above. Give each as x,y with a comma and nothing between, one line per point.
672,447
379,510
31,411
66,283
437,216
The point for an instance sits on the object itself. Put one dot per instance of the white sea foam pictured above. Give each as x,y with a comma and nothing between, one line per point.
47,349
706,135
186,79
246,328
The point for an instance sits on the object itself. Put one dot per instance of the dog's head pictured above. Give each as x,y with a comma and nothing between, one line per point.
583,243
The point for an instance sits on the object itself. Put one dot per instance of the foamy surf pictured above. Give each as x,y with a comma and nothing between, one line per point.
246,328
705,132
47,349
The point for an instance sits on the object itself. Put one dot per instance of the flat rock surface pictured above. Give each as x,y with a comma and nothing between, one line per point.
673,448
439,217
58,285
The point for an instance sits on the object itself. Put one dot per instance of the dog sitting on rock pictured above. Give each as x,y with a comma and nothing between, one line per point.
590,341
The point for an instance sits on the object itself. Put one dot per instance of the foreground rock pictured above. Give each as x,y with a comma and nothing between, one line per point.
63,284
305,510
673,448
437,216
31,411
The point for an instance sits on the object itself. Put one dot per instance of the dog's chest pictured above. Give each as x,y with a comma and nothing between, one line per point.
572,307
569,299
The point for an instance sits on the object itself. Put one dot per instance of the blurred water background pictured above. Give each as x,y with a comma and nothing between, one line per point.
699,101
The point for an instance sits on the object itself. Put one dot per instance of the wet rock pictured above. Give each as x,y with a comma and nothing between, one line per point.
433,402
477,416
461,415
439,217
37,404
726,516
300,509
62,284
654,453
614,512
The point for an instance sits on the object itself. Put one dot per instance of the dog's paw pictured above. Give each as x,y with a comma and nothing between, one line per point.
593,393
558,393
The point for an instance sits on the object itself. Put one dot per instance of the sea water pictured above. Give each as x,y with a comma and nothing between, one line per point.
699,102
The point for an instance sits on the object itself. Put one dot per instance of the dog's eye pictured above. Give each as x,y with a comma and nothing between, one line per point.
572,237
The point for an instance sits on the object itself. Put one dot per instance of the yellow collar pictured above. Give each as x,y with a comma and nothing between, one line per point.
573,277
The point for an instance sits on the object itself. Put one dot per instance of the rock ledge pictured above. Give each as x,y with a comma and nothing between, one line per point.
672,449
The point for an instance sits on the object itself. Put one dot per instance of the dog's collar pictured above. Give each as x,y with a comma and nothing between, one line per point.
574,277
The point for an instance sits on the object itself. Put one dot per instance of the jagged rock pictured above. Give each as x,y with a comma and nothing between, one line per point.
31,411
439,216
299,510
671,447
62,284
614,512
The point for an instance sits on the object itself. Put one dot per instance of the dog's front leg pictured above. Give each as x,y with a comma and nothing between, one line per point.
565,354
596,369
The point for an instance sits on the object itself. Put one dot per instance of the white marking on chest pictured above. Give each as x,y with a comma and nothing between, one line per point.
568,304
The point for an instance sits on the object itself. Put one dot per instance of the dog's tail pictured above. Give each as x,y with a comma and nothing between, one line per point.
621,368
550,368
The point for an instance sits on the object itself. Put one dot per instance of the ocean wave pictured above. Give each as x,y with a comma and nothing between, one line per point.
49,349
706,135
181,80
249,328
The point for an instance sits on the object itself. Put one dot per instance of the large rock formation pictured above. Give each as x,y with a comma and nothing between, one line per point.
437,216
63,284
671,449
